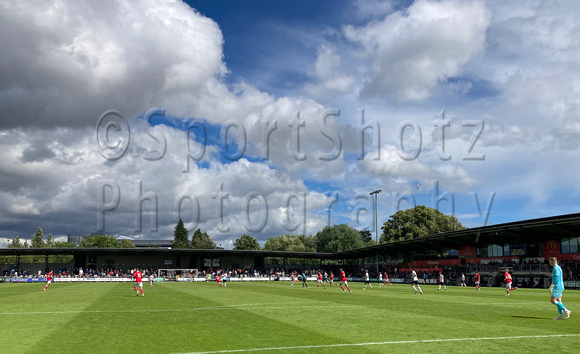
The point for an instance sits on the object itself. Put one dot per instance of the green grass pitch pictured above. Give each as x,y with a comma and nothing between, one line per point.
273,317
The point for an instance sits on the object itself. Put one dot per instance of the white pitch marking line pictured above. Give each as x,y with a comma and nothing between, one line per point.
382,343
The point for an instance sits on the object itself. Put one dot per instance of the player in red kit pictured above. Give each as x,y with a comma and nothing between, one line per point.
387,279
331,279
49,277
217,278
508,282
138,277
343,281
477,280
320,281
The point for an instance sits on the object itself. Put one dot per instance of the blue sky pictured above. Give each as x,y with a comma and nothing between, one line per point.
260,42
476,103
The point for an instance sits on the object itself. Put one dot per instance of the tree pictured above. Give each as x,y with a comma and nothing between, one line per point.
417,222
15,243
49,241
124,243
366,236
180,236
294,243
36,240
100,241
338,238
246,242
61,258
370,243
60,244
201,240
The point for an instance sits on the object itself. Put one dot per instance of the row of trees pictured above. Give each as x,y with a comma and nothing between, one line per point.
199,240
37,241
403,225
99,241
331,239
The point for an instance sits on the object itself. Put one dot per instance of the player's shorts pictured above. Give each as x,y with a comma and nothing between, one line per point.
343,282
476,283
138,284
556,293
508,285
320,281
415,281
442,283
48,282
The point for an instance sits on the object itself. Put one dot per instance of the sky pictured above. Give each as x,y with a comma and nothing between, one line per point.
266,118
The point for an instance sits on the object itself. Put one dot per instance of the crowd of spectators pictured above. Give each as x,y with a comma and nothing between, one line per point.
491,271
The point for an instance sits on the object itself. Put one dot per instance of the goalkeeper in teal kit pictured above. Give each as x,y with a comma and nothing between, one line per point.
557,288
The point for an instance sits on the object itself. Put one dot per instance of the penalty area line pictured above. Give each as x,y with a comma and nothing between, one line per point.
382,343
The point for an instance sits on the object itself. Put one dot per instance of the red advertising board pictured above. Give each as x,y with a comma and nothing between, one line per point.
551,247
436,263
467,251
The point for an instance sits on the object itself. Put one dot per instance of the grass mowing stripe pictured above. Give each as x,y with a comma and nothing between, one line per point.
225,307
199,317
382,343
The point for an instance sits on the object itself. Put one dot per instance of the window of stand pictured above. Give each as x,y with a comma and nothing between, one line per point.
494,251
570,245
451,254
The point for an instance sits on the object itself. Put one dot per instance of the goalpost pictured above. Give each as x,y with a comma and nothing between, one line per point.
172,273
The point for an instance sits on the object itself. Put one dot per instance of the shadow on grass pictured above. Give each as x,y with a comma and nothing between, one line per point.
532,317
